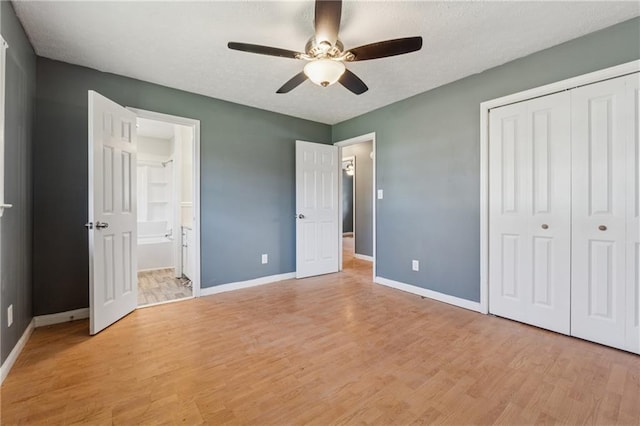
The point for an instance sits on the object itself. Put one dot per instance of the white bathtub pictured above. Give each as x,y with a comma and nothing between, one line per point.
155,252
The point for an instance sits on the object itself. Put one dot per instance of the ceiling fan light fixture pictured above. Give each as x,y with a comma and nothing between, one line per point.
324,72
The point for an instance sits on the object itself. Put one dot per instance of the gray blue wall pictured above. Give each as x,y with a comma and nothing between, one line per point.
428,160
364,196
247,174
16,224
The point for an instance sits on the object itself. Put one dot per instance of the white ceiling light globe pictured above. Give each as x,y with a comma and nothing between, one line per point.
324,72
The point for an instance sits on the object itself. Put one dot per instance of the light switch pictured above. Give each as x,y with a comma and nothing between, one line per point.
380,194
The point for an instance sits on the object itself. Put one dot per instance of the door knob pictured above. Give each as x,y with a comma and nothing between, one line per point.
545,226
300,216
602,228
101,225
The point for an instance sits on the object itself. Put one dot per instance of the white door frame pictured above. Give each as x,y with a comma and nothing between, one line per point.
354,141
195,125
485,107
3,48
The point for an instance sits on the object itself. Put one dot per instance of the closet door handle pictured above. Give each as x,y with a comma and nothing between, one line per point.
602,228
545,226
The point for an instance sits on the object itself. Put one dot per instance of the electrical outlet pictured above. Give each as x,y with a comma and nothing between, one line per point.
265,259
380,194
415,265
9,315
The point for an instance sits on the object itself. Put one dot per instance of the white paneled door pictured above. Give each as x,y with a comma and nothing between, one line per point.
317,242
113,288
605,212
530,212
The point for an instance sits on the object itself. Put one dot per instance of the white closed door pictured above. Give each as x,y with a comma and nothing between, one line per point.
530,212
113,289
317,242
604,305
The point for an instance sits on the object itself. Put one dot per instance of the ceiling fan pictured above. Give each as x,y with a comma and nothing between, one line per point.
326,55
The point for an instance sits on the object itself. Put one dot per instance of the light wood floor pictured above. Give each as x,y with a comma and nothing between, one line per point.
161,285
335,349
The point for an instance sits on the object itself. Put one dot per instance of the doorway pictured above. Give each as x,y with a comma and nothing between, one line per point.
164,173
357,203
168,208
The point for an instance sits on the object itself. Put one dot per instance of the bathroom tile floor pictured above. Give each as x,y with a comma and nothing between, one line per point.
161,286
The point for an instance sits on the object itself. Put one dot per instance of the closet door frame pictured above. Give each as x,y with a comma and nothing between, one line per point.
485,107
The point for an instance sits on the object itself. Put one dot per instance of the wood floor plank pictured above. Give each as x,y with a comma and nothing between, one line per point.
335,349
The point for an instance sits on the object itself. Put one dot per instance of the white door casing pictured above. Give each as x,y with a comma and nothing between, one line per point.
113,288
317,213
530,212
603,129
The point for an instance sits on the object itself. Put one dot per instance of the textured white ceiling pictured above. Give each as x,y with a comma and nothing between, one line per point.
183,44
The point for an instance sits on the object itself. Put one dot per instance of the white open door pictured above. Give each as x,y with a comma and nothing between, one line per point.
113,284
317,242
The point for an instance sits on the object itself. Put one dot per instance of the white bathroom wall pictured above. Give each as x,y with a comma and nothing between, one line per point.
154,184
187,175
154,149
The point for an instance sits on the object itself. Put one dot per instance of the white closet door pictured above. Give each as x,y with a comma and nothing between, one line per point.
529,223
602,129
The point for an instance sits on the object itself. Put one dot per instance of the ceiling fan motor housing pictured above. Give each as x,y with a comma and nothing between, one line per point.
323,49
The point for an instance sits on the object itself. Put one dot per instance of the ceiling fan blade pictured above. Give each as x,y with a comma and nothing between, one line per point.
297,80
263,50
353,83
387,48
327,20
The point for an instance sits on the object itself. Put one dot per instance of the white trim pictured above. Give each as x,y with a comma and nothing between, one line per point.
485,107
353,141
440,297
155,269
208,291
60,317
3,205
164,302
15,352
3,48
363,257
195,124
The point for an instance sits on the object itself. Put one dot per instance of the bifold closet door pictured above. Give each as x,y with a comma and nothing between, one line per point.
530,212
605,249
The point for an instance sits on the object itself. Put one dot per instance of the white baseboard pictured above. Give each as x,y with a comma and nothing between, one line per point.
363,257
156,269
60,317
246,284
441,297
15,352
